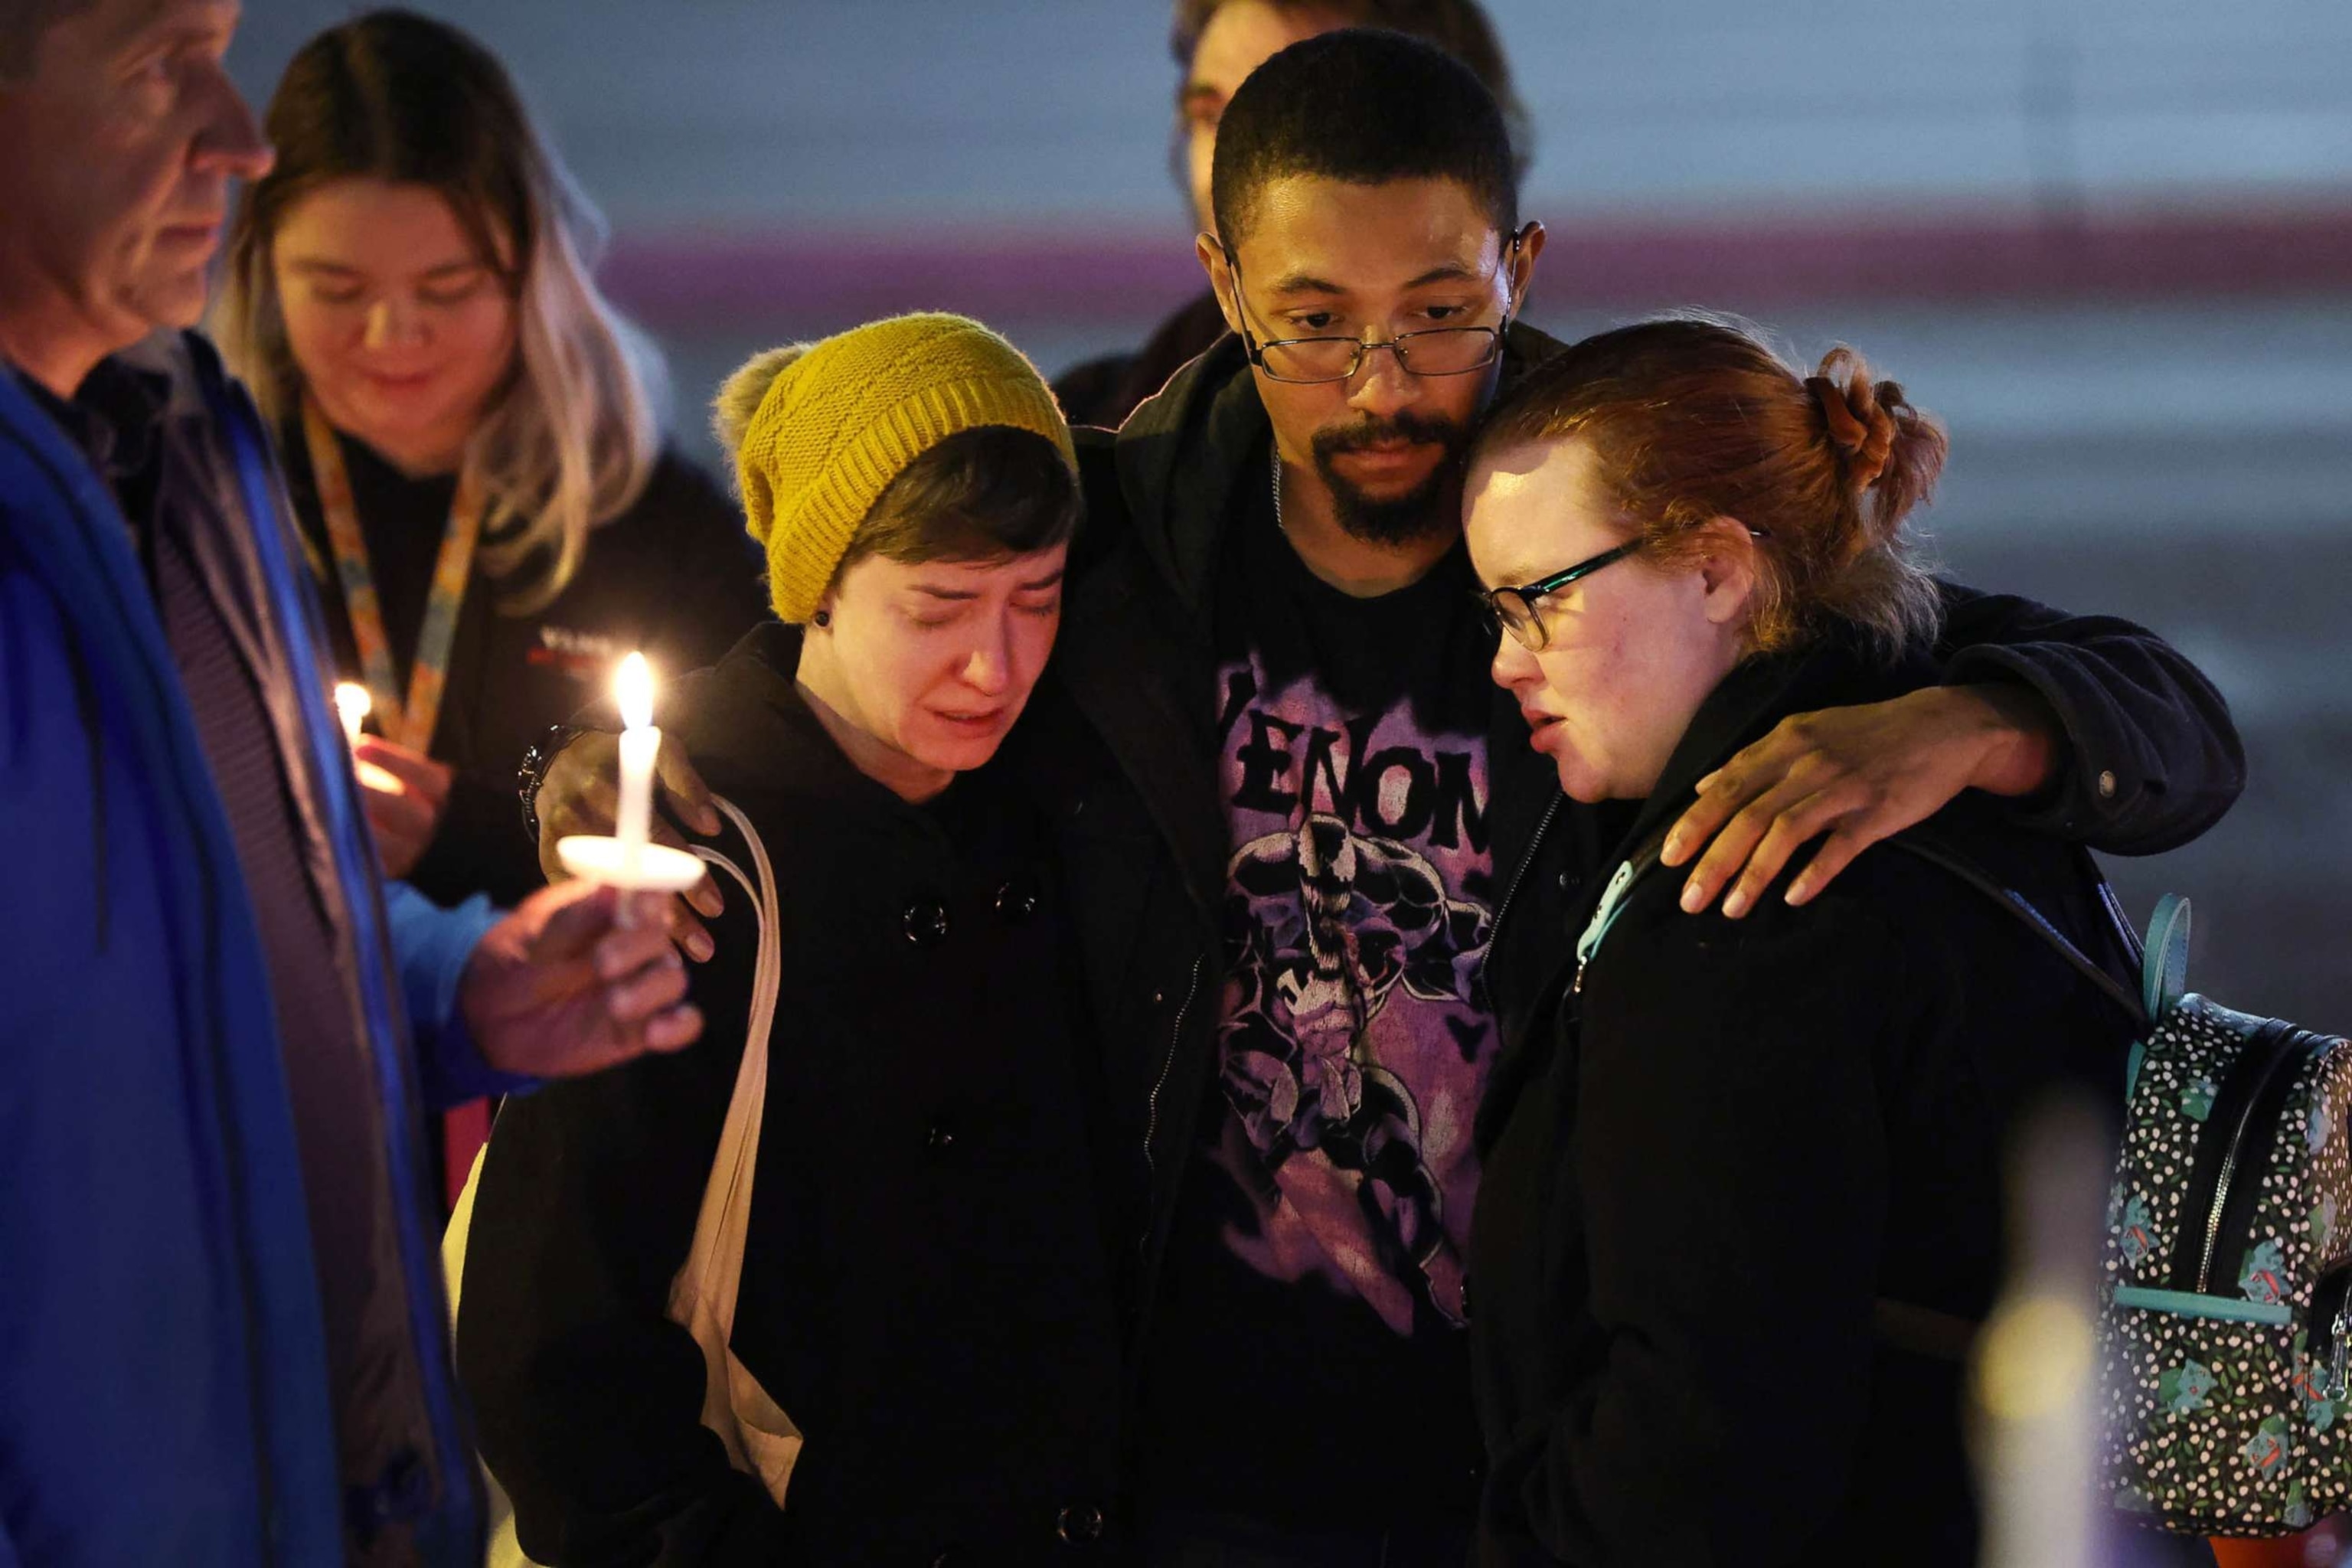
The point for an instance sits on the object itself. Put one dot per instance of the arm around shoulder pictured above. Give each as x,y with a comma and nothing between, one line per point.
2148,757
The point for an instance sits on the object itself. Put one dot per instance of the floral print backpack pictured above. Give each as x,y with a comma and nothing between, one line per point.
2225,1320
2226,1336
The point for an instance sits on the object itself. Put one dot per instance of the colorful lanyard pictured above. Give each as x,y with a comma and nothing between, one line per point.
407,723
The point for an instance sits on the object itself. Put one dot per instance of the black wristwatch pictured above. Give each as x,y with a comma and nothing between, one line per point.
533,772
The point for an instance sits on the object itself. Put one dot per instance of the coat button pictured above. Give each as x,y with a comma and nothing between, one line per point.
1080,1525
941,1139
1017,900
927,923
1566,881
2106,785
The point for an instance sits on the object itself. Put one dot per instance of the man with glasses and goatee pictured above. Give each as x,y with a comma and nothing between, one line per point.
1283,568
1217,44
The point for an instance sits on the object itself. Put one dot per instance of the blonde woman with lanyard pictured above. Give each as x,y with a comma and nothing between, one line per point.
469,439
408,300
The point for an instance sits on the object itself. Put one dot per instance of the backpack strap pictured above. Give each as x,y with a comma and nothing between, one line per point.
1643,860
2020,909
2164,980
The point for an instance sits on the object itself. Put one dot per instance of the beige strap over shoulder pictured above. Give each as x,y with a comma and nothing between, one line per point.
761,1439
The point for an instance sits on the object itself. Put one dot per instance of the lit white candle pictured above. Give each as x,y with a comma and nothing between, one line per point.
640,742
352,703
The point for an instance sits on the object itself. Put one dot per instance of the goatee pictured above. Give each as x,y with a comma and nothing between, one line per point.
1420,512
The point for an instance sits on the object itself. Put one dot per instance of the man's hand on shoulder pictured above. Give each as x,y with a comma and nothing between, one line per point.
1856,776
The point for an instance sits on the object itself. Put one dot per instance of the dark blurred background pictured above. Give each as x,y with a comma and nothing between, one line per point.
2110,241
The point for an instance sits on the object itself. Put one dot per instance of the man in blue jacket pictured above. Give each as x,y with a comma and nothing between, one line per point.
222,1333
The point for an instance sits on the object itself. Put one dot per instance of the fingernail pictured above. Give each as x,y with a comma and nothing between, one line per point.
1736,904
1674,849
1694,896
700,946
1799,891
1703,784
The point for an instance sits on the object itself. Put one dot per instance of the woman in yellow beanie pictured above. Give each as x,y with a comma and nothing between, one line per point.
926,1290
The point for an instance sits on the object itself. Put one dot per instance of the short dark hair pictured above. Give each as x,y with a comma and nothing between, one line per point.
1461,27
982,494
1365,106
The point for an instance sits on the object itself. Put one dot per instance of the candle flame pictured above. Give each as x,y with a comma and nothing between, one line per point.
352,705
634,689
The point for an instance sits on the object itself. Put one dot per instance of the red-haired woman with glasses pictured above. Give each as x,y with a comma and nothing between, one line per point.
1731,1149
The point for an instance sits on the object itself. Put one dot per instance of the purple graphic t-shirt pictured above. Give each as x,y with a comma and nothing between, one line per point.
1310,1363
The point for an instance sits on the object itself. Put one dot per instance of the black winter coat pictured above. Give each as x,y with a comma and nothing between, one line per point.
925,1289
1702,1172
2151,758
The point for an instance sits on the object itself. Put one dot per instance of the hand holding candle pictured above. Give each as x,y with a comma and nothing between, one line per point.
402,792
353,705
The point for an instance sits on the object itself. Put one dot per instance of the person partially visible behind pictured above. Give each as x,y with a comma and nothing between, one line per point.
470,435
927,1289
1726,1155
1216,45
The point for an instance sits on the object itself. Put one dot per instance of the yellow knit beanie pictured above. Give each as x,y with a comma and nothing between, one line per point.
819,430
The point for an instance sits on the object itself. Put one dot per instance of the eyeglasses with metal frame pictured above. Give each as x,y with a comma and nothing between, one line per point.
1433,351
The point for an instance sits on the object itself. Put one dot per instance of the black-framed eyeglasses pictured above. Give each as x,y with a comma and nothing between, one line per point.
1433,351
1514,610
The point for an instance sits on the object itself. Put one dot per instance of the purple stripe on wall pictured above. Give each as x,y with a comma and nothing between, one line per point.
689,282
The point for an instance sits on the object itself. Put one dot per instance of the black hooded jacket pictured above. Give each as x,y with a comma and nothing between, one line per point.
924,1288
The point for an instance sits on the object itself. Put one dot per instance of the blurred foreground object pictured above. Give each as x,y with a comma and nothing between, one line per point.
2032,1390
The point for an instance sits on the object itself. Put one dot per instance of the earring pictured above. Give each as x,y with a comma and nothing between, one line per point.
824,617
